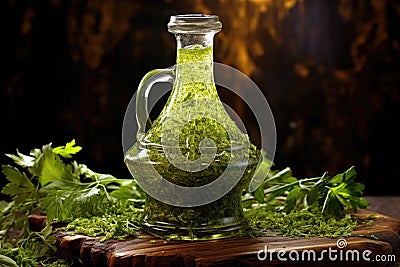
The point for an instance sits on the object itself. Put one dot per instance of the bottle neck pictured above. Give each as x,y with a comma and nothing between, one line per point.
194,77
187,40
194,58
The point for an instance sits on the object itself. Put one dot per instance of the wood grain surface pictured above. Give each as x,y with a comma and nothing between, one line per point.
381,237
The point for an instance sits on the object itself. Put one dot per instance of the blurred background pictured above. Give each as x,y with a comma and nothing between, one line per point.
329,69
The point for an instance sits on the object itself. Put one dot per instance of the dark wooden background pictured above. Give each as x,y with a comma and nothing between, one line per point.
329,69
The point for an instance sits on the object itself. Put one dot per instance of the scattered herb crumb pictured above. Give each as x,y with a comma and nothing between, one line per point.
117,226
263,221
370,216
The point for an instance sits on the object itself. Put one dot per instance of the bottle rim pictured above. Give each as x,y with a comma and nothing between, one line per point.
194,23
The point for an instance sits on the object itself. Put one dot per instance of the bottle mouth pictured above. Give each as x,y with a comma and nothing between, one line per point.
194,23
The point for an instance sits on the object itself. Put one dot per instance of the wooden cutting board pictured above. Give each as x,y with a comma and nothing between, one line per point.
151,251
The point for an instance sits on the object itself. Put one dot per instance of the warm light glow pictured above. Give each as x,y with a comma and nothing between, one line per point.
240,42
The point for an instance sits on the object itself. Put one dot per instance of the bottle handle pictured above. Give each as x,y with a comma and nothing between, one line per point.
142,95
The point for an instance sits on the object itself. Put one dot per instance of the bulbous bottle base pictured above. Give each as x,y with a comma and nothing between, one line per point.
171,232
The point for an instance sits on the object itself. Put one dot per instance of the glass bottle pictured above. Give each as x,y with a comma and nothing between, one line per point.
193,161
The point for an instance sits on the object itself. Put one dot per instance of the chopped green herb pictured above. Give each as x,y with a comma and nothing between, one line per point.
370,216
194,85
263,221
118,225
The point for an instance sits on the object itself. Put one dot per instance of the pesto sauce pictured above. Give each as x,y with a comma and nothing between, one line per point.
223,217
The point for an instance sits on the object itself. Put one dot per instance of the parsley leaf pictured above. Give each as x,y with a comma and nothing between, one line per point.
52,167
22,160
332,196
68,150
18,181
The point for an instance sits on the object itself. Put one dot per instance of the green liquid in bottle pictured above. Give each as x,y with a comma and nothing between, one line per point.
223,217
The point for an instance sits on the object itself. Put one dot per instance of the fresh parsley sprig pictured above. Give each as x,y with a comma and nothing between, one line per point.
64,190
331,196
49,182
